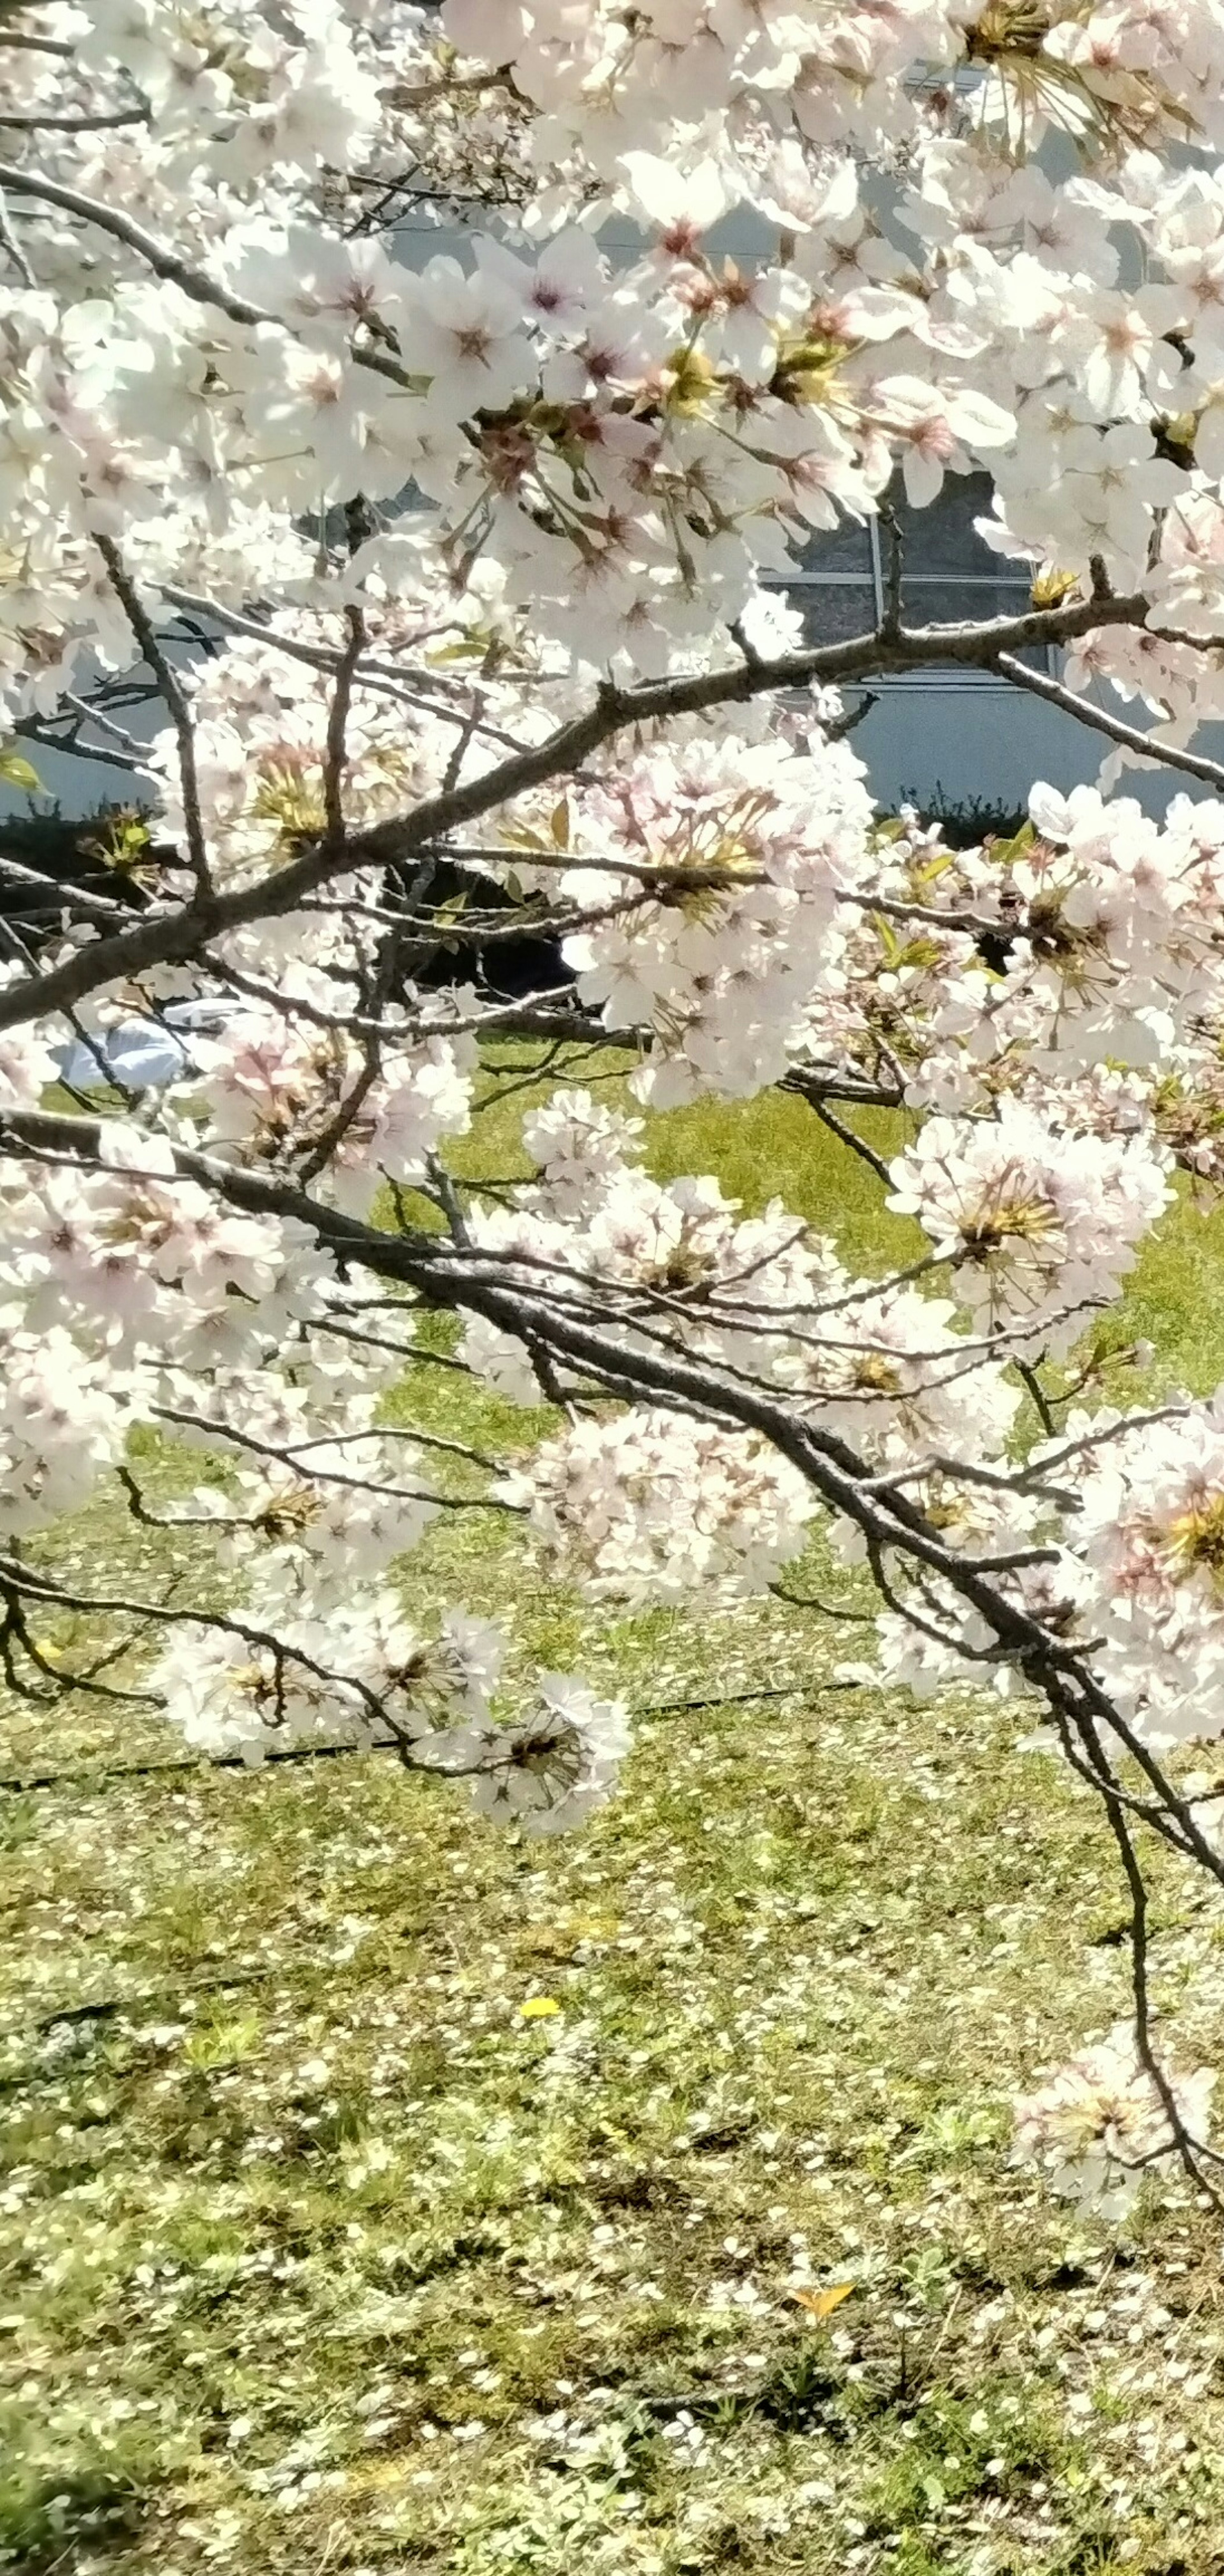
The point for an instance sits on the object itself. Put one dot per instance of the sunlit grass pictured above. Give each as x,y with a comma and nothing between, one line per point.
322,2255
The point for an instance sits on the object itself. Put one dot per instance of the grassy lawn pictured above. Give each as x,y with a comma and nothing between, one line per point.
381,2193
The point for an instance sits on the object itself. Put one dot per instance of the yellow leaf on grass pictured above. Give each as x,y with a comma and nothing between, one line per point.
539,2007
821,2303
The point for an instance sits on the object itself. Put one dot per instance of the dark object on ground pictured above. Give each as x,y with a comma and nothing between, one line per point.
107,853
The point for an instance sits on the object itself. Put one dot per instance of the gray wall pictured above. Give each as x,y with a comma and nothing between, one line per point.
930,741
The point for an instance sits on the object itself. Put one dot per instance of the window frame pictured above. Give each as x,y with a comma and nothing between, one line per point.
872,583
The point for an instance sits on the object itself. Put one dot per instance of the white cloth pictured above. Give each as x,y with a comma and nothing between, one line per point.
141,1055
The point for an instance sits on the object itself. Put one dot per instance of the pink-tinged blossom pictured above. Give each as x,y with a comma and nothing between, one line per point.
64,1419
133,1259
464,333
939,430
1097,2125
277,1085
580,1144
681,204
1149,1534
722,972
894,1378
1038,1224
652,1506
622,440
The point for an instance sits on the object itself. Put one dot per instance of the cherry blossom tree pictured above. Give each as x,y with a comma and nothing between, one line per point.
366,581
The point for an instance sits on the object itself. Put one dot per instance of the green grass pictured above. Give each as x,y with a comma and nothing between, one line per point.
319,2254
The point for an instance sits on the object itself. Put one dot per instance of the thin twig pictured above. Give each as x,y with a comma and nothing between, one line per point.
1191,2150
38,124
13,249
334,757
1194,764
176,700
1039,1396
846,1136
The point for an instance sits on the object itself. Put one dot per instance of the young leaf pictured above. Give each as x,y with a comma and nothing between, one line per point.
16,771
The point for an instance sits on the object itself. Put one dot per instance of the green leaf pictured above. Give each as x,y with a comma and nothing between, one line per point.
467,648
16,771
1003,853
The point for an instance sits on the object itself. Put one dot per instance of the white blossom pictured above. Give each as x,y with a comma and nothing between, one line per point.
1098,2124
399,547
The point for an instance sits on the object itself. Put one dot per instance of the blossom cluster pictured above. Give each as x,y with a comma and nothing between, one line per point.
650,1508
1099,2124
459,585
636,443
364,1676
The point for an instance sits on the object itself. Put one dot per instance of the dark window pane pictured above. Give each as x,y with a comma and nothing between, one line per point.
942,538
833,611
846,548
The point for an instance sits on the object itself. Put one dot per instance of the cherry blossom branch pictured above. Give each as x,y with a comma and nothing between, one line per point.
1195,764
292,1450
40,730
815,1083
19,1784
167,938
1190,2150
1098,1437
890,1525
13,250
20,43
590,497
15,1629
38,124
191,281
414,685
32,1584
456,1277
103,907
81,707
172,690
176,271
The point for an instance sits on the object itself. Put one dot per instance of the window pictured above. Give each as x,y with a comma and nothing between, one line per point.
949,575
